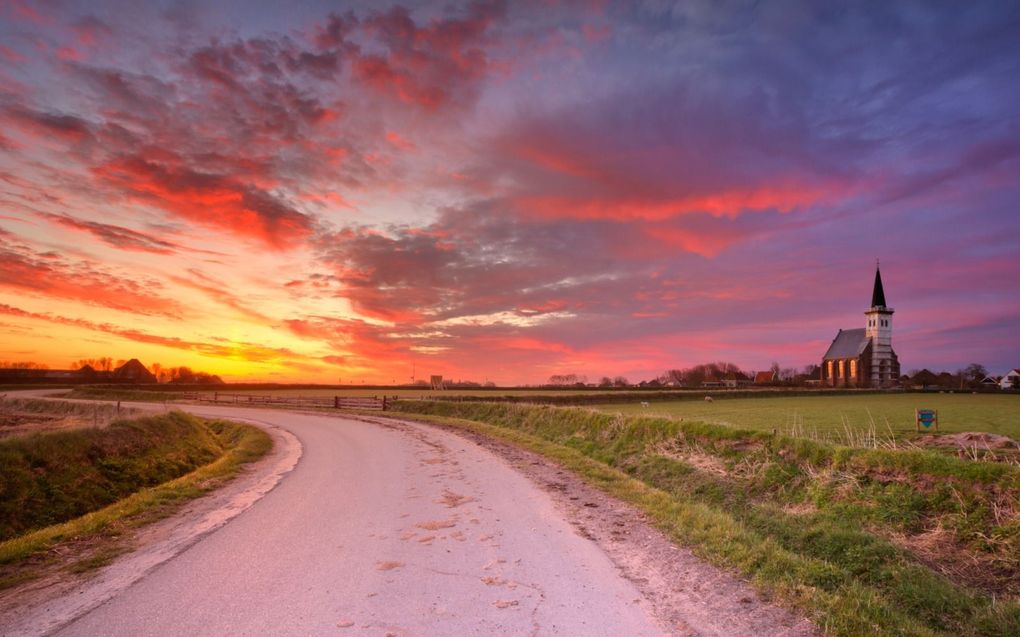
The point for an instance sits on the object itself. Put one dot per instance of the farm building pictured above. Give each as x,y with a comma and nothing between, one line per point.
864,357
764,378
736,379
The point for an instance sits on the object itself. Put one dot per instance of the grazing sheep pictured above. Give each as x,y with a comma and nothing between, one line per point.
644,404
708,399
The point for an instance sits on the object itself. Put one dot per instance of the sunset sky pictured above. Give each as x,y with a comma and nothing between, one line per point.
499,191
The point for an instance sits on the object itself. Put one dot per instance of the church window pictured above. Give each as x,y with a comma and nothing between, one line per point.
828,365
842,369
853,368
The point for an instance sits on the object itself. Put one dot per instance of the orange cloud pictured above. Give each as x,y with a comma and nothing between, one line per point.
208,199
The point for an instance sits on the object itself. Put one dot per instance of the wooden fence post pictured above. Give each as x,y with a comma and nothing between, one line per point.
384,403
336,402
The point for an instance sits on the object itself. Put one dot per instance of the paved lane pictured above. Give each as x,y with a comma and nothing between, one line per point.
380,530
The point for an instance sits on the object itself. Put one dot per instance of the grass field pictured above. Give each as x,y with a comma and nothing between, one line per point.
832,416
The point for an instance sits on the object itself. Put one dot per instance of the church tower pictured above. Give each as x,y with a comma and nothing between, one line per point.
885,367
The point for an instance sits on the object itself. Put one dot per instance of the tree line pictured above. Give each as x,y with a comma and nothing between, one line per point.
182,375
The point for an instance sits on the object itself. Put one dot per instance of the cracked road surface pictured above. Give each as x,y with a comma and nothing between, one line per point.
383,530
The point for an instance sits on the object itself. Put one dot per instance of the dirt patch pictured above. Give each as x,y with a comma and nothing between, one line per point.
453,500
800,508
939,549
972,445
388,565
435,525
968,440
693,456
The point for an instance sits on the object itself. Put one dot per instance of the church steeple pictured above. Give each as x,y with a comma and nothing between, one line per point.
878,294
885,367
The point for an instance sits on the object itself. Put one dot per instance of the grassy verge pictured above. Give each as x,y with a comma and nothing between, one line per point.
114,393
48,478
866,541
54,408
237,444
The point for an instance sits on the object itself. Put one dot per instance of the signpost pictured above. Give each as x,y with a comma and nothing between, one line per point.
927,418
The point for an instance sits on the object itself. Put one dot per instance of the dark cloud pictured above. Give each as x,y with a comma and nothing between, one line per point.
43,124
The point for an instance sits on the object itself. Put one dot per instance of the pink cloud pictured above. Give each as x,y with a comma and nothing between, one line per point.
430,66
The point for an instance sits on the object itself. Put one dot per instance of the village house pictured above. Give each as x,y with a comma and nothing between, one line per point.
864,357
991,382
734,380
766,377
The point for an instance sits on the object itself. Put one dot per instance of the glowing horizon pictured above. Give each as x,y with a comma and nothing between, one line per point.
504,191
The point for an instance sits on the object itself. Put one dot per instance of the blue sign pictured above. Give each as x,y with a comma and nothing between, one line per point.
927,417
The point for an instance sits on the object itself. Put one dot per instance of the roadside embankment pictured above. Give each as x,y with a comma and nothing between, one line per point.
866,541
86,486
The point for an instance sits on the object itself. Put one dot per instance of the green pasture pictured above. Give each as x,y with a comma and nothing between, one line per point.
835,416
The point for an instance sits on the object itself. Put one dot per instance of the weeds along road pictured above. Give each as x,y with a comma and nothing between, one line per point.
378,530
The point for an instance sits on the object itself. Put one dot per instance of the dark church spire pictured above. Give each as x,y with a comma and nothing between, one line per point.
878,295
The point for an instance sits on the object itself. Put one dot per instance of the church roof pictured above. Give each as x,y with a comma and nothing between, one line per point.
847,344
878,294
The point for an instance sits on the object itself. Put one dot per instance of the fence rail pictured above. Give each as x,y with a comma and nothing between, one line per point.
336,402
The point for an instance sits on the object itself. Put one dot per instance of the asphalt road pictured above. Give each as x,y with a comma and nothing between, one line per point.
383,531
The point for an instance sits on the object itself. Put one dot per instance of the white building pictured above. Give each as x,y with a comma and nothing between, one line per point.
1010,380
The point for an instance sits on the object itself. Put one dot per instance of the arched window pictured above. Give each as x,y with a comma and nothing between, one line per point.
853,368
828,367
842,369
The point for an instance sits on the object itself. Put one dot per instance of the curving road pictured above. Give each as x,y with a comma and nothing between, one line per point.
379,530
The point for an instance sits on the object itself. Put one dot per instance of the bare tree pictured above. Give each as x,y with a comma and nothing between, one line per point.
674,376
23,365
